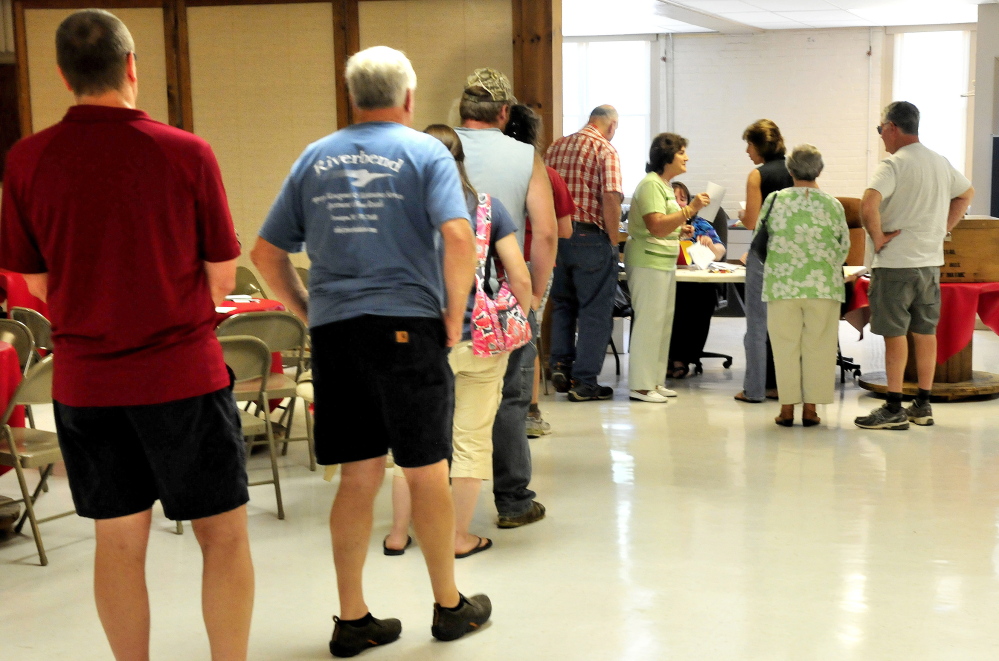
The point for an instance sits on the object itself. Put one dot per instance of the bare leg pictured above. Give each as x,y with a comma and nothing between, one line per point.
402,514
350,529
120,584
466,497
926,359
227,582
896,354
433,517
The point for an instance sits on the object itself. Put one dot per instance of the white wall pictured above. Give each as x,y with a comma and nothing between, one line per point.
819,86
986,105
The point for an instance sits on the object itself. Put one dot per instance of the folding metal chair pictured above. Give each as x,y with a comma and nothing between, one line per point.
25,448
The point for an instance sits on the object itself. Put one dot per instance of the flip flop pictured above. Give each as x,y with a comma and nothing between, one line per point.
478,548
388,551
742,398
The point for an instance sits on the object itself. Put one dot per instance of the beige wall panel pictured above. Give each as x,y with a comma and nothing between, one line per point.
49,97
445,40
262,89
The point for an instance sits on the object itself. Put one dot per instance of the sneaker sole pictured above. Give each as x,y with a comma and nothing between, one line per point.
646,398
573,397
926,421
560,382
886,425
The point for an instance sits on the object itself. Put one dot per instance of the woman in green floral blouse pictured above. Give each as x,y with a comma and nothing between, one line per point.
803,286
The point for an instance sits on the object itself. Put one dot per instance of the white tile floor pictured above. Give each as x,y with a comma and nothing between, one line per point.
697,530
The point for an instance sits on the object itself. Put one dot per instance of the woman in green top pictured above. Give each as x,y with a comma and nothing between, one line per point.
654,225
803,286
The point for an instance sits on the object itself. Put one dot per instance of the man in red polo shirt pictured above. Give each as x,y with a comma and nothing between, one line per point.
121,223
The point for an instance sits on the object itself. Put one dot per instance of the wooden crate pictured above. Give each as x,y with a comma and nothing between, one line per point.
972,253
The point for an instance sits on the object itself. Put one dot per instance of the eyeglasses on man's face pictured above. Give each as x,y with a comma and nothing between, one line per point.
881,127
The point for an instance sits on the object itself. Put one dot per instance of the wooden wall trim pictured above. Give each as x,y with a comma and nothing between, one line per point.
343,10
170,45
237,3
532,58
23,80
93,4
183,65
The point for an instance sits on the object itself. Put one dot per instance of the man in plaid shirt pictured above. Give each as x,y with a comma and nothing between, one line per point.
586,272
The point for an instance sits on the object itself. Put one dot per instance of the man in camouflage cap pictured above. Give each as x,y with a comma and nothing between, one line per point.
511,172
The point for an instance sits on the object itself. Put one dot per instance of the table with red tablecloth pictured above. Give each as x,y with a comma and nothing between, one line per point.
960,302
10,377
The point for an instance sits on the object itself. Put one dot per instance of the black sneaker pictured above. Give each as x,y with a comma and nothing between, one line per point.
349,640
560,378
882,418
920,414
535,513
453,624
586,392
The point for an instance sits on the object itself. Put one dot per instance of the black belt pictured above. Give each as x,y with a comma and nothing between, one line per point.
586,228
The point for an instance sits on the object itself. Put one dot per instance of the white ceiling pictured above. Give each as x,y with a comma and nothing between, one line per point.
603,17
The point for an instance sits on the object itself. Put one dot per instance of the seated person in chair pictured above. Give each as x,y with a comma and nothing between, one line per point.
695,301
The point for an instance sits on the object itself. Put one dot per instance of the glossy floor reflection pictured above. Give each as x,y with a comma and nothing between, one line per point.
696,530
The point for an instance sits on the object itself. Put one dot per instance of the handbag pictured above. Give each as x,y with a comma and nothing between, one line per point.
762,237
499,324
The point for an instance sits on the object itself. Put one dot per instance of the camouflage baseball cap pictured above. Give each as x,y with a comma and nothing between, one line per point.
488,82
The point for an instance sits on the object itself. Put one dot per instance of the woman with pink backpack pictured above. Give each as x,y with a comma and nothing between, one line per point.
495,325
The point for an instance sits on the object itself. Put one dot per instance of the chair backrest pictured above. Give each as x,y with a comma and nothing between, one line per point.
41,329
19,336
280,331
720,223
303,273
247,283
35,387
247,356
858,237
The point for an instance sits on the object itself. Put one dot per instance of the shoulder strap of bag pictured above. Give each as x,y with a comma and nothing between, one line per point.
483,231
772,203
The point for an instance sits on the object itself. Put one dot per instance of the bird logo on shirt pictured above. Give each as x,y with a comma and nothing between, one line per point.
362,177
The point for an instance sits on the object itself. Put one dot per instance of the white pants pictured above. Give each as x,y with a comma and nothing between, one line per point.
653,297
803,332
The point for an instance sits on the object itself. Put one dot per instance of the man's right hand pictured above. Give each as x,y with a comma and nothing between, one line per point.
881,240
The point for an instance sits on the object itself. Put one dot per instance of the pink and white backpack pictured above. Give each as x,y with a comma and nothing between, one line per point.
499,324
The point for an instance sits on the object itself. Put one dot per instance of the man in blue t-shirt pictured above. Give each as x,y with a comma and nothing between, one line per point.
379,208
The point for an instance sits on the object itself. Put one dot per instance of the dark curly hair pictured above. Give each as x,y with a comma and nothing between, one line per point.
663,150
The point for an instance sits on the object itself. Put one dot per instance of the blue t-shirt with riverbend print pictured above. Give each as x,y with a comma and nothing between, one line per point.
367,203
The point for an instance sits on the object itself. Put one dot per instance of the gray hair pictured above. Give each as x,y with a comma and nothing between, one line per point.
92,47
604,111
379,77
805,163
904,115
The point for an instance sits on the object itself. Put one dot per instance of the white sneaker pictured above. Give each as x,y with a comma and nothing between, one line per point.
651,396
665,392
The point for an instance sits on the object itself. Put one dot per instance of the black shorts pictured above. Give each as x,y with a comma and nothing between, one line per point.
188,453
382,383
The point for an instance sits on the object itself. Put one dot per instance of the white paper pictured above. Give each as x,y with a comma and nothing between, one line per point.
717,194
238,297
702,256
221,310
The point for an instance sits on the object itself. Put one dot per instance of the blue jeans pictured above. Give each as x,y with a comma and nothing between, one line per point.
511,450
583,294
754,385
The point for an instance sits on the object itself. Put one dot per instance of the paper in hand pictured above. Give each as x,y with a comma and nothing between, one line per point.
717,195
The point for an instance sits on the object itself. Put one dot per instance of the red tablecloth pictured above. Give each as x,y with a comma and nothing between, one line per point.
10,377
959,303
14,289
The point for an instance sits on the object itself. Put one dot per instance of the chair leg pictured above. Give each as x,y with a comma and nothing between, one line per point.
30,416
44,476
30,513
308,434
287,417
179,529
617,359
272,446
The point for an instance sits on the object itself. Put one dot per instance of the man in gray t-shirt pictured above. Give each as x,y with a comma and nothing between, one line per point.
914,199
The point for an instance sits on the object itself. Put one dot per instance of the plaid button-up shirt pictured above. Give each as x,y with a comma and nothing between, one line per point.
590,166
